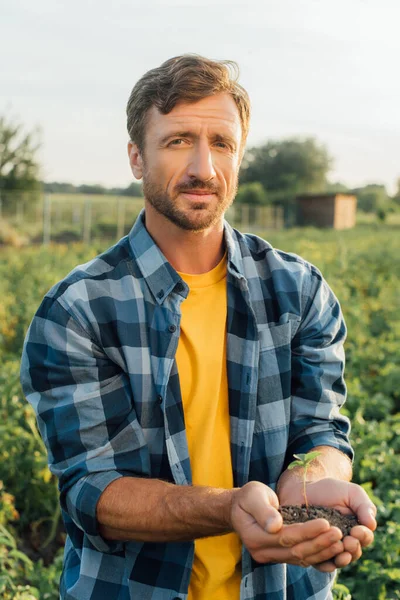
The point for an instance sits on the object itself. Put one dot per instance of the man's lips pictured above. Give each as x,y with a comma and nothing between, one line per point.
198,195
198,192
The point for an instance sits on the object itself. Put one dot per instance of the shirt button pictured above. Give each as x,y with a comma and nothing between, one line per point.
179,287
172,328
160,294
159,399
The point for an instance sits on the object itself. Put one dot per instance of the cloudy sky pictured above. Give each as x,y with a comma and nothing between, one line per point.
326,68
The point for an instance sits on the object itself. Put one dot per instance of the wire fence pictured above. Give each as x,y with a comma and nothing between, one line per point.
42,219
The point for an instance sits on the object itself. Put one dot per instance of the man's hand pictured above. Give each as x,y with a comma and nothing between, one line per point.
255,518
346,497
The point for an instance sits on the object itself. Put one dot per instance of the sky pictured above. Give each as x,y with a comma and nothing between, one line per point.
322,68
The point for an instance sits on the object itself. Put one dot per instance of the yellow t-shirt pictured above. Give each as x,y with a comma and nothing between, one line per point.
201,359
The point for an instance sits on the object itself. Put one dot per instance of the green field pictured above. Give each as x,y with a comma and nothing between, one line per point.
362,267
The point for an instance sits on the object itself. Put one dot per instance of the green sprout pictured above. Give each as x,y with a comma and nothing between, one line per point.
304,460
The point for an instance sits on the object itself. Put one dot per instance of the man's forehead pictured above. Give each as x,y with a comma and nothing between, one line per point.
215,110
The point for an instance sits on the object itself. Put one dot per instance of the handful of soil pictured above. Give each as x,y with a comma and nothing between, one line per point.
302,514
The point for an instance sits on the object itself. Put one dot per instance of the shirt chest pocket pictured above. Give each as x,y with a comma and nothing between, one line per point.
274,336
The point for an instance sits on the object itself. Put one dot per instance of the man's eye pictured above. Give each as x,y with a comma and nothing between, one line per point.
222,145
177,142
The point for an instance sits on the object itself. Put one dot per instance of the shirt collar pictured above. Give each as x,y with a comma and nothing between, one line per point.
160,276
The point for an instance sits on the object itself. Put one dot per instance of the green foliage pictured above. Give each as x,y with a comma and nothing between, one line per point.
341,592
252,193
294,165
25,277
18,164
373,198
47,579
303,461
23,459
20,578
15,568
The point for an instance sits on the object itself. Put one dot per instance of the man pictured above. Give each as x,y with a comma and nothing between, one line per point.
175,376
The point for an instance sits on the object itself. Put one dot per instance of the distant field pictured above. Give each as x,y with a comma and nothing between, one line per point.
95,198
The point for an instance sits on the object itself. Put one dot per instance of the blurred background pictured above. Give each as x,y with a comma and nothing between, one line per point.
320,177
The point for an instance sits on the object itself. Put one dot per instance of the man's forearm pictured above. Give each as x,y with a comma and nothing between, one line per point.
330,463
150,510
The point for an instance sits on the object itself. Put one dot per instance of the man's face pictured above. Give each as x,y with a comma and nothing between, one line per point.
191,160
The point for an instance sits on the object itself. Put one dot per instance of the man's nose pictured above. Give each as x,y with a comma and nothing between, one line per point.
201,165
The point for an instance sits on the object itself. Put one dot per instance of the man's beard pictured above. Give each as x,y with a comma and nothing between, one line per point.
188,220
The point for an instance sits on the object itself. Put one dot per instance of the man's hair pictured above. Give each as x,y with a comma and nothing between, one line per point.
187,78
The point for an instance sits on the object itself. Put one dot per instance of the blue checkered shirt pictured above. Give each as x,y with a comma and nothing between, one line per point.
99,369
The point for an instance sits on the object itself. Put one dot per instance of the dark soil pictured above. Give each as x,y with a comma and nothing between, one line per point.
300,514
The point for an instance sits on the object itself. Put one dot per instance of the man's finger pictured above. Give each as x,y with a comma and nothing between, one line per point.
261,502
362,506
301,532
366,514
363,534
326,567
322,555
352,545
343,559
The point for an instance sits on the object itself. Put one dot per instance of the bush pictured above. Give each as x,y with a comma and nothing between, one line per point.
252,193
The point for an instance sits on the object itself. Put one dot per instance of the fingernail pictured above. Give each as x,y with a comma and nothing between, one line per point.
372,513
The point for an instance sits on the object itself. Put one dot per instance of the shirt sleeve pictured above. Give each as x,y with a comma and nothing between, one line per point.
318,387
85,414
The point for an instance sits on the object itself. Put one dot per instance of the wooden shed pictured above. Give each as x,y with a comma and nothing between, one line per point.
327,210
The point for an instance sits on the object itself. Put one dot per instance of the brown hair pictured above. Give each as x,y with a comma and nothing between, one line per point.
186,78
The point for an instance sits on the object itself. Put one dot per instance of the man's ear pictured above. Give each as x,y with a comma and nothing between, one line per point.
135,160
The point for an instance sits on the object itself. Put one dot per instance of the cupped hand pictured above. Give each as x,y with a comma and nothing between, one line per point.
348,498
255,518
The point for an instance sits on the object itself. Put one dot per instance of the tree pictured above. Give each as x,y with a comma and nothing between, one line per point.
252,193
293,165
372,198
134,189
336,187
19,168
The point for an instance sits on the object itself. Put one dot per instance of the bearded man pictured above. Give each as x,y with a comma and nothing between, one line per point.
175,376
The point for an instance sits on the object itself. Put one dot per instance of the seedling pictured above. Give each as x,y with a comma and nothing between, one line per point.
304,460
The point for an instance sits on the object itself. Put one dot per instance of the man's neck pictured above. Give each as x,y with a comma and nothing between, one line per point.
191,252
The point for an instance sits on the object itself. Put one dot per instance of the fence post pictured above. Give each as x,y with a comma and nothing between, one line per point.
58,214
120,217
46,220
19,211
87,221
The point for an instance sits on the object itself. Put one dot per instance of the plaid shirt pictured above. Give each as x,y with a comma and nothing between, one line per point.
99,369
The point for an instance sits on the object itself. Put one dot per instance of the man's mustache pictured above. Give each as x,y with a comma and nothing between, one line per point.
198,185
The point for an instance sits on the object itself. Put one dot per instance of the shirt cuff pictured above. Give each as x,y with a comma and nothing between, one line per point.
81,506
308,442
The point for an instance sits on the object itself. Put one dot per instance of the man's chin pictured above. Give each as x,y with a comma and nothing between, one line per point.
197,219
